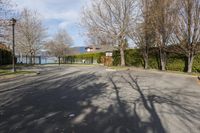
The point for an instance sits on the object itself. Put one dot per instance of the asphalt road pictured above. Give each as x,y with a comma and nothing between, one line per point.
96,100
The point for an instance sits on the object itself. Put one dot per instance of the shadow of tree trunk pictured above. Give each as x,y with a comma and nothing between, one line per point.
148,104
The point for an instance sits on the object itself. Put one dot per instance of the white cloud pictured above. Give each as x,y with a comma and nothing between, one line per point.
57,13
69,15
65,10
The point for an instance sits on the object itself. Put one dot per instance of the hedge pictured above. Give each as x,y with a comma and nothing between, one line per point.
134,58
5,57
196,64
175,62
86,56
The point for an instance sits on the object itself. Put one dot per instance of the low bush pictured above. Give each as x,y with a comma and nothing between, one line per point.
116,58
88,57
196,64
136,61
5,57
153,61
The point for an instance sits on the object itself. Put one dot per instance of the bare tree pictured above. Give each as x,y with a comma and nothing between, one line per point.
111,18
7,11
30,33
143,33
188,30
60,44
164,17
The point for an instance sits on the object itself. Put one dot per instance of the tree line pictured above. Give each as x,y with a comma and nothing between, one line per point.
146,23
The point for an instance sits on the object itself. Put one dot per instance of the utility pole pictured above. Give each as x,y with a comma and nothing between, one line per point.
13,21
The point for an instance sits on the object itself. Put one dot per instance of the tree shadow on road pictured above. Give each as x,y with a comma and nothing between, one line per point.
179,102
46,107
66,104
155,124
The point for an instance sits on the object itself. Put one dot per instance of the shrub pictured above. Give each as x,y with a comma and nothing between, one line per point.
196,64
153,62
175,62
133,58
176,65
116,58
5,57
89,57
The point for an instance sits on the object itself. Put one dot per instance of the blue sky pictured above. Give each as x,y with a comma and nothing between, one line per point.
59,14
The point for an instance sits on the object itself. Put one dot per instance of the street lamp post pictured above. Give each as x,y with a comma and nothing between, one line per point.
13,21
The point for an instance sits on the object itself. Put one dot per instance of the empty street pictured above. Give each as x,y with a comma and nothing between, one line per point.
93,99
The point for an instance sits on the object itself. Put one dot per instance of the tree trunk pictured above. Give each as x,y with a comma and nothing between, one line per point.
122,56
163,60
31,59
26,60
40,60
59,61
146,63
146,60
190,63
34,58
